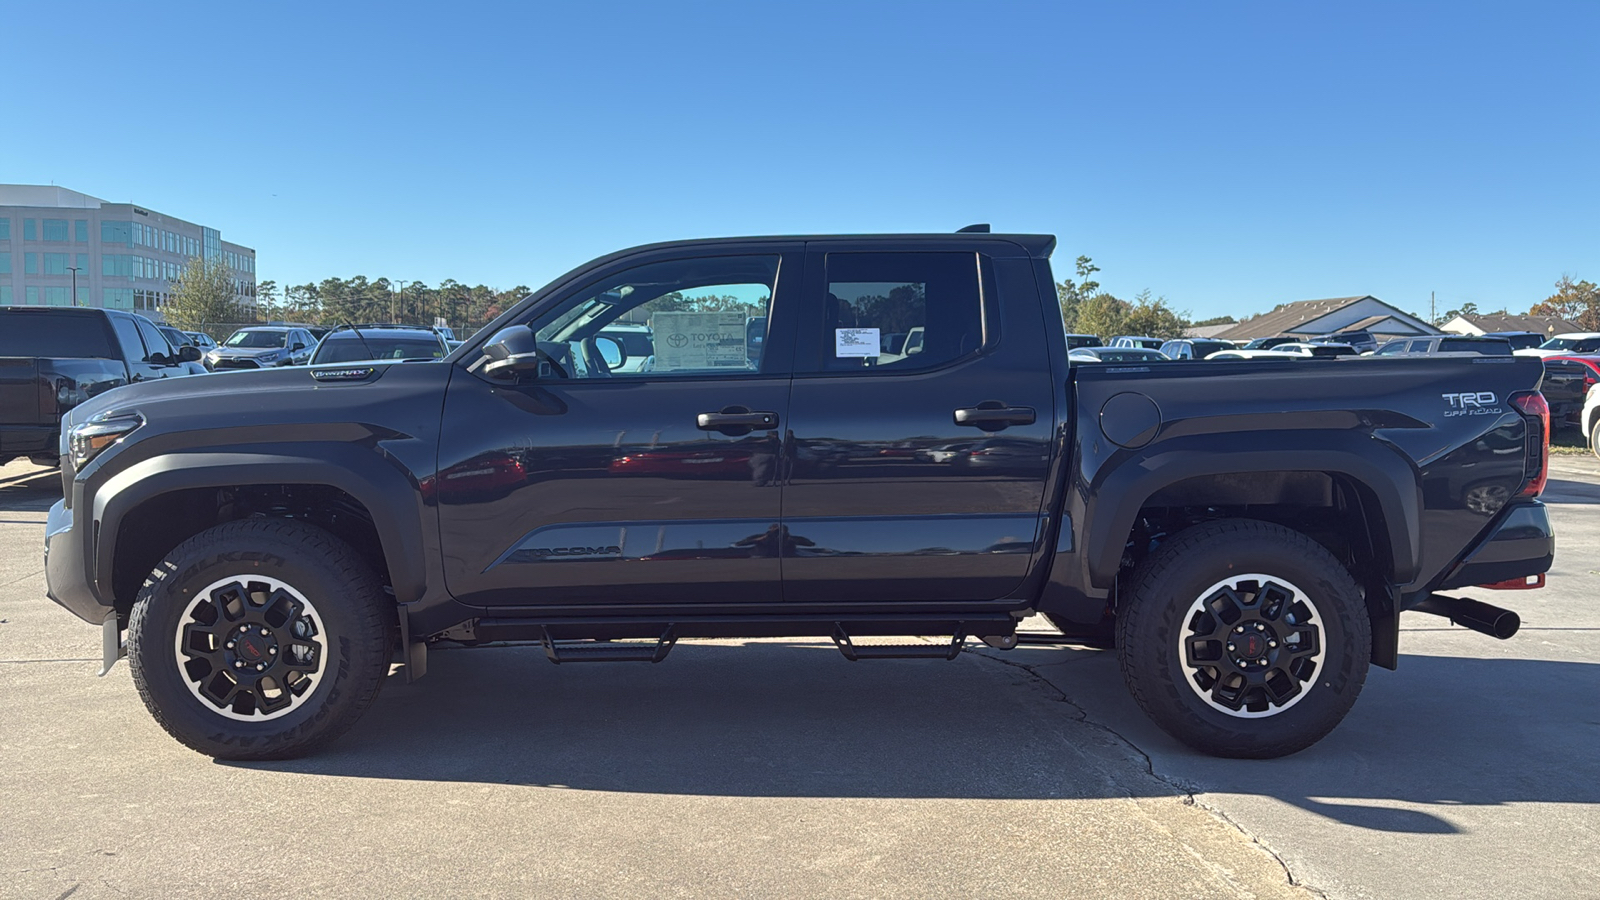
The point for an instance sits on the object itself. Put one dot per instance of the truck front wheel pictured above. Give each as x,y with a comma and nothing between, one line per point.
260,639
1244,639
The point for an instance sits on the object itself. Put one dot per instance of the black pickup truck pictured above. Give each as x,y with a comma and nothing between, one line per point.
1245,535
53,358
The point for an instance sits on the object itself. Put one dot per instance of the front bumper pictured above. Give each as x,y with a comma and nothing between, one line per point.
1522,544
66,569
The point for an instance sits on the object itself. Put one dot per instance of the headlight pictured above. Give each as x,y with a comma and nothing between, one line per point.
86,441
269,357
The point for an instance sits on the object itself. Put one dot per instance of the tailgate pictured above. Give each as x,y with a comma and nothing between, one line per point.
19,391
1565,383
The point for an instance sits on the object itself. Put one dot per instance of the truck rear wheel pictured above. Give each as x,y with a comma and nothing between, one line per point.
1244,639
260,639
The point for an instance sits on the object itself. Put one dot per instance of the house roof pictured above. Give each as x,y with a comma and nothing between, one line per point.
1383,325
1294,318
1545,325
1206,331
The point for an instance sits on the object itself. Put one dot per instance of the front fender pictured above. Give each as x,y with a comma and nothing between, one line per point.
376,480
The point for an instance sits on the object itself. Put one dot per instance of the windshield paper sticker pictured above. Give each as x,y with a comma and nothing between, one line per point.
856,342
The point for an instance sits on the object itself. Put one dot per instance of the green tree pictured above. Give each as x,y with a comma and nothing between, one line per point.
1103,315
203,295
1215,320
267,299
1467,309
1154,318
1576,301
1072,294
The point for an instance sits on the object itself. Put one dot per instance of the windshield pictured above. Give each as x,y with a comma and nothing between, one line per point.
1572,345
349,348
257,339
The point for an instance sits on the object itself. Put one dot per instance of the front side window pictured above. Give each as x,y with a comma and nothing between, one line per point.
670,319
349,348
153,338
899,311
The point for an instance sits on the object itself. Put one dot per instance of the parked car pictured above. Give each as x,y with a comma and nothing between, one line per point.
1591,418
1267,343
1363,341
1519,340
1250,544
263,347
365,343
1317,350
1566,384
1255,354
202,340
1445,343
1566,344
54,358
180,339
1147,343
1193,348
1074,341
1116,355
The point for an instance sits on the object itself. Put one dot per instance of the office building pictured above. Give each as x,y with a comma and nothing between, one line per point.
121,255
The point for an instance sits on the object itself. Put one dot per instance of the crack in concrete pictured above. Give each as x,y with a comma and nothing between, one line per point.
1187,794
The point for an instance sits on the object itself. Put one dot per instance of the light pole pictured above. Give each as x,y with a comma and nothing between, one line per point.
401,293
74,284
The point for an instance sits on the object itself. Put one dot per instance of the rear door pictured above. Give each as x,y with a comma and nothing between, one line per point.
916,476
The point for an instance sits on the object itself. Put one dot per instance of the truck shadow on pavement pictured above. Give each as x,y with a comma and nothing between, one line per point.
1560,490
786,720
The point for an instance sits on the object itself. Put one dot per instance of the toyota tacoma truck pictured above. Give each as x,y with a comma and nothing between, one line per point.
1245,535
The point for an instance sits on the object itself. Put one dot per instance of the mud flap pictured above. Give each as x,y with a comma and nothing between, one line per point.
112,647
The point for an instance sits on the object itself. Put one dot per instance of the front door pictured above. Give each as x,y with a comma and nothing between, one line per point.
626,473
921,419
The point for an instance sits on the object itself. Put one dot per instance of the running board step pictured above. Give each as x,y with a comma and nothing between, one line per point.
560,652
854,652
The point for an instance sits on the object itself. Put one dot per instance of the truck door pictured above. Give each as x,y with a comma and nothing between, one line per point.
619,481
920,425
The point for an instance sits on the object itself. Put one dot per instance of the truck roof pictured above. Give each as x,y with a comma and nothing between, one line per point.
1038,246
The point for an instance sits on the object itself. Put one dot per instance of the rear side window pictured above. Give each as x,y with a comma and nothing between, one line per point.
900,311
54,336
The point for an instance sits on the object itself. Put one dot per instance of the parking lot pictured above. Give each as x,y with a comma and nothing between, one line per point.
783,770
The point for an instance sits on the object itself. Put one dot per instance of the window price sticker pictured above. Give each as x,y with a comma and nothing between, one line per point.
849,342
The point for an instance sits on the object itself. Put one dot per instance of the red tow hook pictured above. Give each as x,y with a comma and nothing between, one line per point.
1529,583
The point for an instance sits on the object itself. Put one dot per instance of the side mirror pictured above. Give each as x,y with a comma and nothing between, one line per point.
188,353
511,352
298,346
611,351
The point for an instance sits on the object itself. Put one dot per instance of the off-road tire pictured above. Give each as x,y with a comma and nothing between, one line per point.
1160,612
355,619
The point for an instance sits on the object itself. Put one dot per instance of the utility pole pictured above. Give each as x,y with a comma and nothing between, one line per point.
74,284
1433,311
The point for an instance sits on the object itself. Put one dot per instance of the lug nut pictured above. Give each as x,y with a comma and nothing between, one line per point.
265,631
1238,629
1230,648
230,645
274,650
1272,643
261,667
237,664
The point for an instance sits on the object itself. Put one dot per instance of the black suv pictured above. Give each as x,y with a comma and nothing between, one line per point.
362,343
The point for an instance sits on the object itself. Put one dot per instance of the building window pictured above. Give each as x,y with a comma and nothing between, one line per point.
5,229
118,265
55,264
30,230
56,296
33,295
116,233
55,230
5,264
80,231
82,263
30,263
5,295
117,298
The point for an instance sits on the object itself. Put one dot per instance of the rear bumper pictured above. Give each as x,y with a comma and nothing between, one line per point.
1522,544
66,571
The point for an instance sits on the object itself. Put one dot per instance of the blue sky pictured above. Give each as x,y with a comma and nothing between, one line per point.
1227,155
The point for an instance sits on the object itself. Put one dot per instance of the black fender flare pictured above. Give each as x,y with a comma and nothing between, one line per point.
1382,469
375,480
